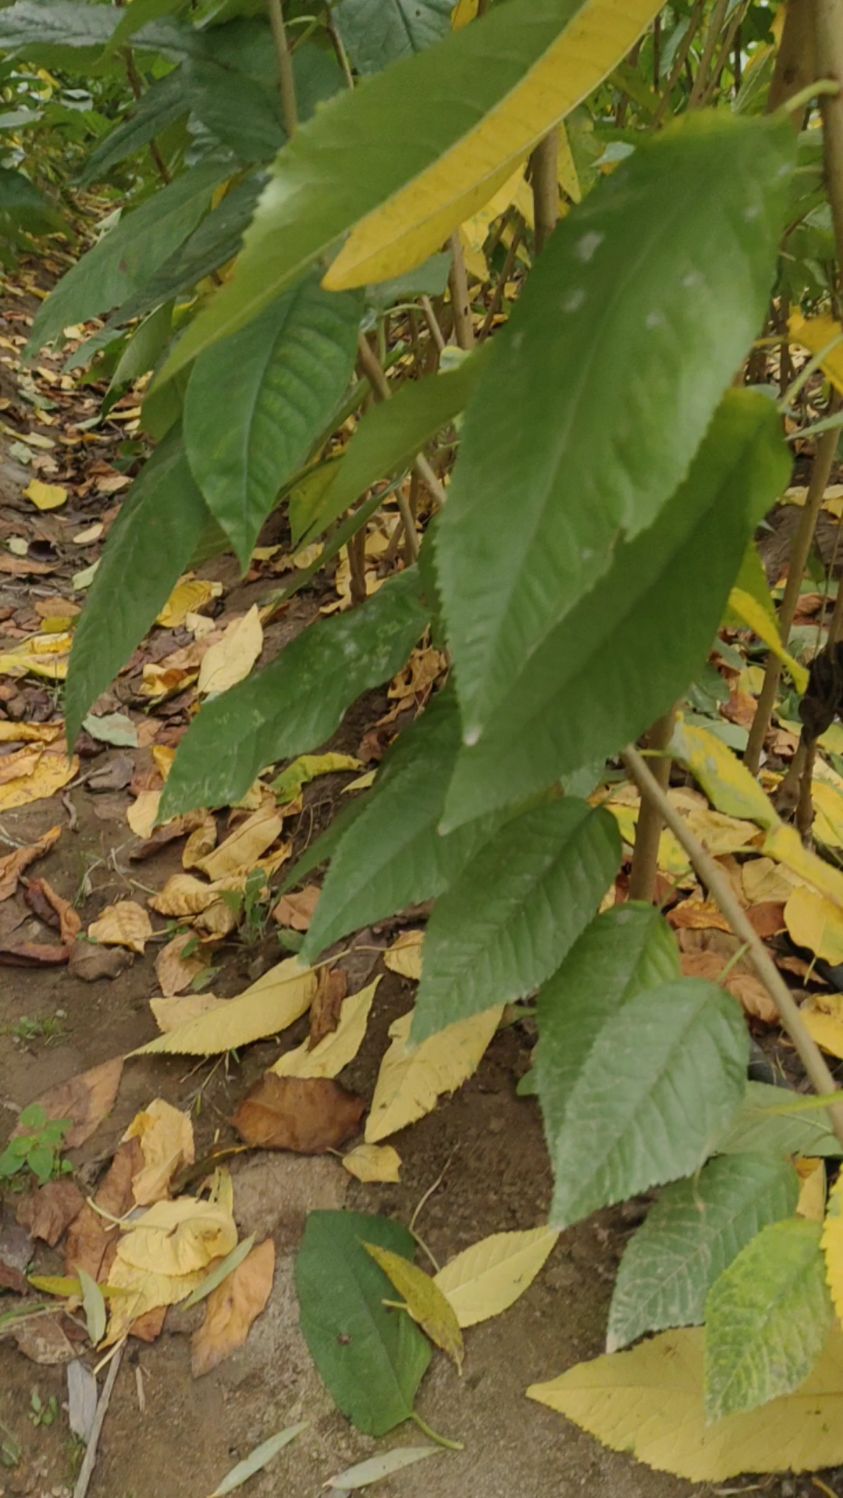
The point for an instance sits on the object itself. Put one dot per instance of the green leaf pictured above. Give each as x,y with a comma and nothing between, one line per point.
767,1318
221,1270
691,1235
634,1084
391,434
244,439
392,854
658,283
52,30
93,1305
126,257
378,32
612,656
160,106
258,1459
294,705
760,1129
371,1358
345,163
514,911
149,546
139,14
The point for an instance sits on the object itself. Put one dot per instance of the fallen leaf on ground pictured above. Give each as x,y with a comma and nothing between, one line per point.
143,813
785,845
166,1141
112,728
125,924
241,851
170,1014
44,1341
297,910
373,1163
649,1403
405,955
812,1192
257,1459
185,895
53,909
178,1237
46,496
424,1300
823,1015
188,596
92,1237
487,1278
45,655
336,1049
308,1115
201,841
232,658
91,962
698,915
29,733
291,782
275,1001
52,772
48,1211
13,864
331,989
744,986
85,1099
363,1474
32,954
409,1084
232,1308
816,923
175,971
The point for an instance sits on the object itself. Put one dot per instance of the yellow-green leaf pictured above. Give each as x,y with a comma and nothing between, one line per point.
751,613
823,1015
821,335
816,923
649,1403
334,1051
487,1278
423,1299
45,496
275,1001
409,1082
727,783
832,1243
784,844
306,768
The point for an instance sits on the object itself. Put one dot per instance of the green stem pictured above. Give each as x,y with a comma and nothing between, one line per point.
286,77
433,1435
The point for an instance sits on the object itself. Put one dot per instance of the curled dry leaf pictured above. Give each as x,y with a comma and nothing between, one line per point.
33,954
823,1014
185,895
85,1099
373,1163
48,1211
188,596
241,851
232,1308
92,1237
331,989
13,864
297,910
53,909
307,1115
174,969
166,1141
125,924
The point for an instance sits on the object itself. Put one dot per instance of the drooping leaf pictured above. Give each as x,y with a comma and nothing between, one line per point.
244,440
767,1124
124,258
612,653
378,32
690,1236
634,1082
411,1079
149,547
371,1359
425,1302
666,325
392,855
649,1402
515,910
487,1278
500,85
295,704
751,606
767,1318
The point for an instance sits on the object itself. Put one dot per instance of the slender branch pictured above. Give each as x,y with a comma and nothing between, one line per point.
715,27
86,1471
339,47
458,280
380,386
828,33
796,64
136,85
680,60
719,886
544,179
286,77
645,854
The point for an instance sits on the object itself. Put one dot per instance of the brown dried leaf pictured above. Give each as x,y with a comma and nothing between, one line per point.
125,924
331,989
42,1340
48,1211
698,915
91,1240
13,864
53,909
85,1099
305,1114
297,910
33,954
12,1279
743,986
202,841
232,1308
174,971
90,962
767,918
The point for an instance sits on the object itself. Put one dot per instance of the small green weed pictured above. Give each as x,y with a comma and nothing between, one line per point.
43,1412
38,1148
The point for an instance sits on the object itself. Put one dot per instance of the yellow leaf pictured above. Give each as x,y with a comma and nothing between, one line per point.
170,1014
143,812
163,756
232,657
784,844
811,1203
763,880
832,1242
125,924
487,1278
133,1292
46,496
335,1050
463,12
275,1001
29,733
566,168
405,955
415,220
475,230
828,813
815,922
423,1299
728,784
183,894
823,1015
45,655
50,774
373,1163
241,851
166,1141
188,596
290,783
409,1083
672,858
751,613
178,1237
201,841
649,1403
816,334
